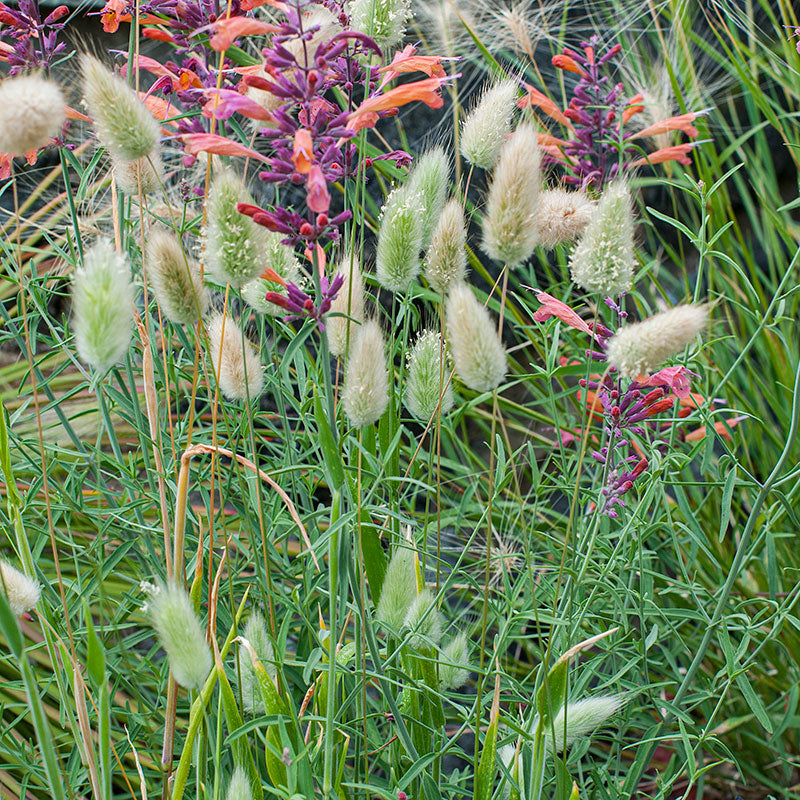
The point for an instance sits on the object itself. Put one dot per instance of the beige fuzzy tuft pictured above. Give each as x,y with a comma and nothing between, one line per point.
446,259
147,172
562,216
641,347
366,381
350,302
488,125
235,360
23,593
176,280
31,113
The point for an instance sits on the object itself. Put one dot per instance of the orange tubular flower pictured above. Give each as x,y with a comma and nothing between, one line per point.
565,62
194,143
426,91
407,61
678,152
541,100
303,151
226,31
634,107
682,122
720,427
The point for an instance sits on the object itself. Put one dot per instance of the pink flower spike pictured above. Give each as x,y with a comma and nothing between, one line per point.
318,197
678,152
226,102
194,143
677,378
551,307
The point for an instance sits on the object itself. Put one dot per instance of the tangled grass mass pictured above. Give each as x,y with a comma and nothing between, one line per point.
400,400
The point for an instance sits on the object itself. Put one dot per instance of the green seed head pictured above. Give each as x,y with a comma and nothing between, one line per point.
399,240
427,381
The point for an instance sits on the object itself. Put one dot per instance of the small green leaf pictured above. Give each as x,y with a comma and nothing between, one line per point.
9,626
330,452
95,654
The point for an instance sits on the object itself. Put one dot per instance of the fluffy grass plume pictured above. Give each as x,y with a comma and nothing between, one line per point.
239,786
176,280
281,258
478,353
124,125
146,173
102,306
453,671
366,380
235,245
582,717
424,621
426,377
429,180
399,240
383,20
641,347
446,259
509,224
255,631
23,593
562,216
235,359
350,302
399,588
488,124
604,259
31,113
181,635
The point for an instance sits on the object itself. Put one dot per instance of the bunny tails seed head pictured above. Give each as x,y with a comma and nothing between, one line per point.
446,259
383,20
102,306
31,113
641,347
235,245
424,621
239,786
124,125
509,225
604,260
255,631
488,124
399,240
281,258
176,279
453,663
146,173
23,593
478,353
427,377
562,216
581,717
181,635
399,588
349,302
429,180
235,360
366,380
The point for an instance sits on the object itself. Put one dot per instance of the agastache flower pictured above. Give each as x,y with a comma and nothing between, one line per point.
595,121
35,40
298,303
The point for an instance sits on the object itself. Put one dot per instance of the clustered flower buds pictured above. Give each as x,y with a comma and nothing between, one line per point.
176,279
399,240
102,306
428,378
365,395
446,259
181,635
509,226
124,125
639,348
488,125
235,360
604,259
31,113
478,353
22,592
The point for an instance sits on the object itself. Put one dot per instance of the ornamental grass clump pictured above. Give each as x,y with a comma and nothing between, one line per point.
124,125
22,592
102,306
235,245
604,260
488,125
397,259
31,113
478,353
181,635
446,259
641,347
365,395
176,280
235,359
428,378
509,223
